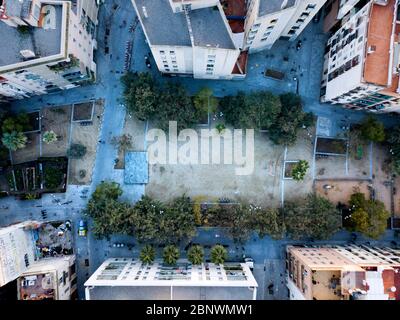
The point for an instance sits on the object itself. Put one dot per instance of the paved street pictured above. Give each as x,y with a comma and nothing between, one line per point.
268,254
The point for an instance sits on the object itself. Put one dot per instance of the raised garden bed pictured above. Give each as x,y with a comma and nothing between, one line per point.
34,123
289,168
331,146
29,180
83,111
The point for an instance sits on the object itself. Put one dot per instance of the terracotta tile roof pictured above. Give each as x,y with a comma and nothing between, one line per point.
376,68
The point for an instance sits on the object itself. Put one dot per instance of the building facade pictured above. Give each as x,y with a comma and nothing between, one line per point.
130,279
189,37
48,46
17,250
267,21
49,279
343,273
361,64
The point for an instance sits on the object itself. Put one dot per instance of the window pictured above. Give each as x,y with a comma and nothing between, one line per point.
162,52
311,6
172,52
300,20
274,21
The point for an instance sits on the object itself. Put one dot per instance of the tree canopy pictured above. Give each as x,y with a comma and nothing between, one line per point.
368,216
372,129
313,217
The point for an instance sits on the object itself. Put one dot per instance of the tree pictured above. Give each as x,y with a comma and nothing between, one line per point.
123,142
393,140
290,119
231,107
196,254
178,223
372,130
18,123
49,137
299,170
109,215
171,254
140,94
146,220
147,254
205,102
257,110
14,140
261,110
76,151
267,222
175,105
312,217
368,216
240,224
218,254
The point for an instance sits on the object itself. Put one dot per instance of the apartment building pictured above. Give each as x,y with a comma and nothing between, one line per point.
130,279
361,64
48,46
190,38
49,279
270,20
343,273
17,250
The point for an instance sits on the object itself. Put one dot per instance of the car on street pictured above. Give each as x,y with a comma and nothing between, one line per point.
82,228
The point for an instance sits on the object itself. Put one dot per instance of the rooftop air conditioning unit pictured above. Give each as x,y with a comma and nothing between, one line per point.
27,54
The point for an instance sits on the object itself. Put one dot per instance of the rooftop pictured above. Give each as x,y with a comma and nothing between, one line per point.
209,28
161,24
126,272
18,8
207,24
42,42
37,287
380,29
272,6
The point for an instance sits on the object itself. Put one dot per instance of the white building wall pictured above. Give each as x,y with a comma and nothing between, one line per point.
212,63
261,32
304,13
352,78
173,59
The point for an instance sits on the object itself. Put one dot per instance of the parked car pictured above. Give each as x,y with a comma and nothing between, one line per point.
82,228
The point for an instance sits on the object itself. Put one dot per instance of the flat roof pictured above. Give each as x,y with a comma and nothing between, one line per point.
18,8
128,272
380,30
42,42
272,6
161,24
209,28
164,293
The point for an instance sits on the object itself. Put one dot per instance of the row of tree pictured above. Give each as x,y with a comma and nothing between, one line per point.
195,254
281,115
151,221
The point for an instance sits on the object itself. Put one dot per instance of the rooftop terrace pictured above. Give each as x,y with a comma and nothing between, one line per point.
208,25
42,42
